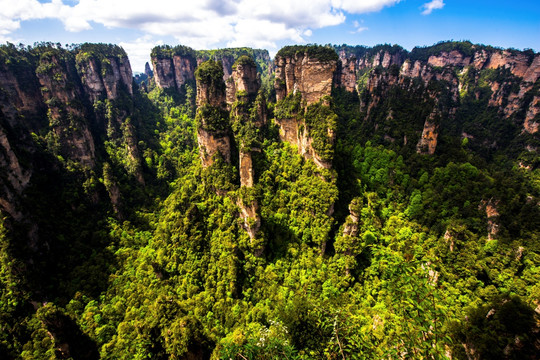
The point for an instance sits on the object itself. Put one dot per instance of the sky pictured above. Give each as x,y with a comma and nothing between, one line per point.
138,26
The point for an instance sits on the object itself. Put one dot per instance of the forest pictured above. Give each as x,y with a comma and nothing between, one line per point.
390,253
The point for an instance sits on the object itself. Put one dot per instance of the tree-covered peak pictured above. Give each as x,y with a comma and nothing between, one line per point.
319,52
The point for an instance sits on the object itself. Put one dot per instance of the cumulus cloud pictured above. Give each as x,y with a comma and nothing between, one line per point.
432,5
196,23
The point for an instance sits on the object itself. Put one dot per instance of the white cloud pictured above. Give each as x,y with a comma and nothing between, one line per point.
432,5
358,28
139,51
196,23
362,6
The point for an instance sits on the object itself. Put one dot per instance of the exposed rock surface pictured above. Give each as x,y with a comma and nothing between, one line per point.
213,134
246,98
304,73
306,77
164,73
348,67
428,141
506,77
51,98
174,67
102,79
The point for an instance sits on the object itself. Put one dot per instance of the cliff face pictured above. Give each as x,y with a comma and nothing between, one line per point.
347,70
55,98
175,67
244,97
173,73
57,76
102,79
382,58
212,117
307,74
164,73
304,81
462,75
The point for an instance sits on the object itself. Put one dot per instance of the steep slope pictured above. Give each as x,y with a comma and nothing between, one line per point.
468,84
304,81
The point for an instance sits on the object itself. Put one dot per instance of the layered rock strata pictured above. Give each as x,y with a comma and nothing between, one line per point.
304,81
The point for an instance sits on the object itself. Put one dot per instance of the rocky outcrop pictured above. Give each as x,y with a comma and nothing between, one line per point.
245,101
174,67
213,132
381,58
492,216
532,119
428,141
103,77
164,73
348,67
148,70
52,98
452,58
244,80
184,70
57,75
503,80
212,143
304,80
306,73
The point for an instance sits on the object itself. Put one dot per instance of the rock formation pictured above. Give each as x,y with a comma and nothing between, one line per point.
347,70
65,96
247,101
175,67
304,80
213,132
454,71
309,73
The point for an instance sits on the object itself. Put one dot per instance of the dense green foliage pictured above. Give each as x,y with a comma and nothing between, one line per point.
360,51
244,60
385,256
210,73
319,52
167,51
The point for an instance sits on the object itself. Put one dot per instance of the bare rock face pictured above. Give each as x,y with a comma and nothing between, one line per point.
20,96
102,78
428,142
148,70
17,177
211,143
212,117
492,215
305,73
67,121
184,70
246,169
163,73
304,80
532,119
245,77
452,58
348,68
382,58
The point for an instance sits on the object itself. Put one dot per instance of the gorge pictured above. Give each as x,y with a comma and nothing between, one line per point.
334,202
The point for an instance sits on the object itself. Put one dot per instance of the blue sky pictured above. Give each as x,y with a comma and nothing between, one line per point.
270,24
